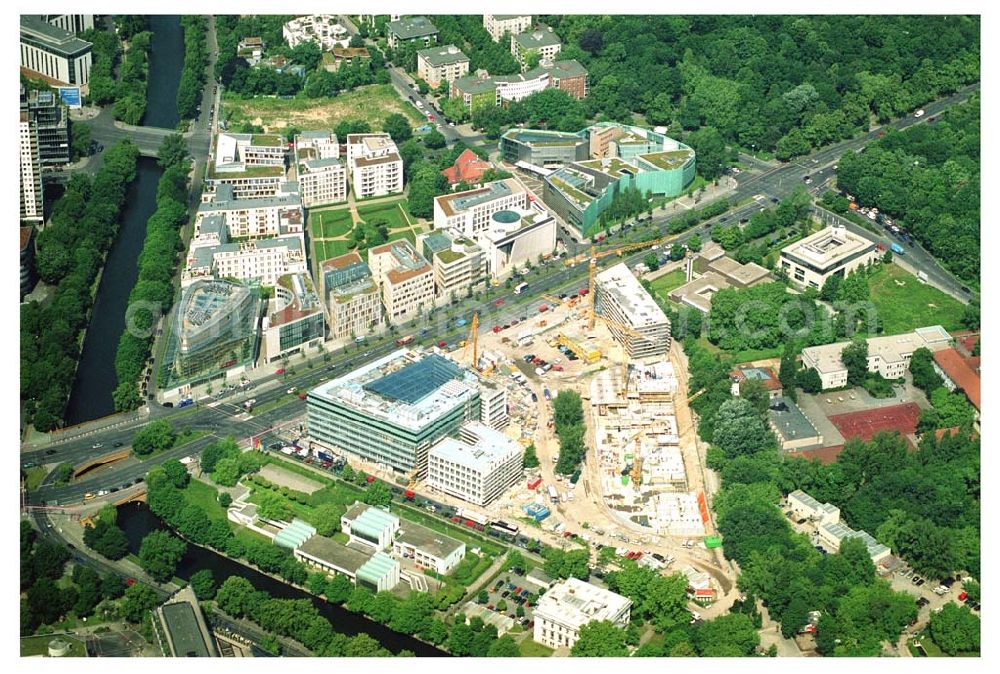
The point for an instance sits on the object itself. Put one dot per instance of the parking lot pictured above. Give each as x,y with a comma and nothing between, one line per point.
511,591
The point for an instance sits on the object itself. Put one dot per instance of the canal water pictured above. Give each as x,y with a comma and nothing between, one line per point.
91,397
136,520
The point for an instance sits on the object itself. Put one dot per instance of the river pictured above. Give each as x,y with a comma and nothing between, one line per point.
95,381
136,520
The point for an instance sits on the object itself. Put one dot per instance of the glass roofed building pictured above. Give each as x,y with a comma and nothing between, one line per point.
370,525
391,411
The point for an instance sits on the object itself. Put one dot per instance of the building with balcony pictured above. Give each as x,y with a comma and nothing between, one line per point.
834,251
620,298
441,64
459,263
478,466
499,25
374,164
417,29
481,90
390,411
573,603
542,40
469,212
51,121
261,260
404,277
253,164
323,30
255,217
53,53
352,297
32,196
321,173
296,319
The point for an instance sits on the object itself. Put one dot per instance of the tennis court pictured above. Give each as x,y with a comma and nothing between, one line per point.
902,418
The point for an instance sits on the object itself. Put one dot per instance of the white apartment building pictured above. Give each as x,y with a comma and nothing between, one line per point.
322,29
427,548
832,534
55,53
253,164
418,29
255,218
263,260
831,251
31,170
619,297
542,41
317,145
322,175
804,506
497,25
889,356
458,262
493,405
478,467
573,603
441,64
404,277
516,236
469,212
375,165
352,297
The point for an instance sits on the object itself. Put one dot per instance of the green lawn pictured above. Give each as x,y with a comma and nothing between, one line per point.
668,282
331,224
206,497
392,213
403,234
532,649
337,248
904,303
34,477
40,646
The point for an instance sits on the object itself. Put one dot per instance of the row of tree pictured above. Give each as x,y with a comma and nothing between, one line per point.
153,293
195,60
69,254
567,414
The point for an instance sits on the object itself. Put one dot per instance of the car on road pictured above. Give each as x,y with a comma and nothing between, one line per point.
919,113
117,444
775,200
280,370
97,445
291,391
744,221
50,452
500,302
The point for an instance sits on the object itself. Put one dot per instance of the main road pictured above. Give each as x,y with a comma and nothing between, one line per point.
225,418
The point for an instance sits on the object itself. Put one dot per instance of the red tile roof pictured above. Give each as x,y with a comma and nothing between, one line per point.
960,372
468,167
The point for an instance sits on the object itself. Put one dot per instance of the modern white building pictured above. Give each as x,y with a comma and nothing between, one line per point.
321,29
497,25
377,572
255,218
459,263
478,467
295,319
542,40
834,251
427,548
352,297
619,297
832,534
263,260
253,164
804,506
370,526
71,23
321,173
517,236
889,356
493,405
31,170
441,64
317,145
573,603
375,165
469,212
54,53
404,277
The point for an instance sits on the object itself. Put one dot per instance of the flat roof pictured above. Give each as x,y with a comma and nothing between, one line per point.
828,248
185,632
891,348
52,37
428,541
333,553
669,160
791,423
633,300
558,69
480,448
575,603
457,202
410,27
542,36
442,56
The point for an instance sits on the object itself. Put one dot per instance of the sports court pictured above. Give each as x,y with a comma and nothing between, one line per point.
902,418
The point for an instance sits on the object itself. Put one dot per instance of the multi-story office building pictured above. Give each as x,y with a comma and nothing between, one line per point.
834,251
262,260
427,548
493,404
568,75
51,122
458,262
31,170
321,29
405,278
441,64
71,23
54,53
296,319
573,603
481,90
375,165
542,40
255,218
27,260
469,212
417,29
352,297
516,236
214,320
392,410
619,297
547,149
499,25
477,467
254,164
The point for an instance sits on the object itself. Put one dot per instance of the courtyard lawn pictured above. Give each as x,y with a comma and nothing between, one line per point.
669,282
337,248
532,649
392,213
331,224
904,303
403,234
371,104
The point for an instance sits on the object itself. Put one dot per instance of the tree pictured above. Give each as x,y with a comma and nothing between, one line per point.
788,370
159,554
754,391
378,494
483,597
139,598
955,629
651,261
153,437
809,380
530,457
203,584
225,500
730,635
326,518
273,506
514,560
694,243
713,155
176,473
173,151
677,252
460,640
600,639
338,589
106,539
592,40
504,647
63,473
227,472
81,139
397,127
740,429
434,139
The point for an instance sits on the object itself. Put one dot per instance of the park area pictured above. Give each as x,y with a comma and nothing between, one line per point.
663,285
370,104
332,230
904,303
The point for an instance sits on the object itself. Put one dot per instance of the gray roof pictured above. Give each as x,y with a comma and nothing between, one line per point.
214,224
411,27
334,554
558,69
428,540
185,632
51,37
443,55
543,36
224,200
472,84
314,164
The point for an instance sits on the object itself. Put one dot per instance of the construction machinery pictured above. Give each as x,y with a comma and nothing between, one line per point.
696,395
589,356
412,477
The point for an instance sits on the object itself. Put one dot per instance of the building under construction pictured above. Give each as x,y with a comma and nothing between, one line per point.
635,319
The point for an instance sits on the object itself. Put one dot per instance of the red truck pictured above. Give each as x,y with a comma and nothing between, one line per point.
533,484
403,341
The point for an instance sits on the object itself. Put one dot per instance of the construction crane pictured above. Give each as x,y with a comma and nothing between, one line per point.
474,340
696,395
636,472
627,361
